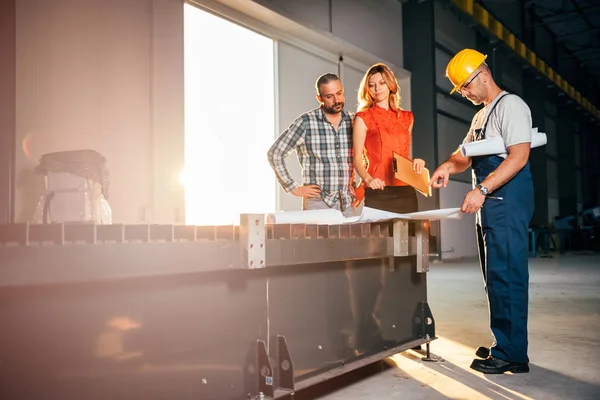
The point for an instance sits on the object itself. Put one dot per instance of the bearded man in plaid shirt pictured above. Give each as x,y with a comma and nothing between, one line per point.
323,140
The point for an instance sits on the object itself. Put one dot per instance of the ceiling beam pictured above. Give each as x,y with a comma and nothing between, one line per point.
581,52
559,13
561,36
557,17
580,10
585,18
589,59
579,57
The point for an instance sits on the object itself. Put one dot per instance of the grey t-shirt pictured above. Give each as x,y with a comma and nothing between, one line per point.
510,119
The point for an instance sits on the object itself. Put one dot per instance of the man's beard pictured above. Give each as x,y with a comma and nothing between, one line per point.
475,101
336,108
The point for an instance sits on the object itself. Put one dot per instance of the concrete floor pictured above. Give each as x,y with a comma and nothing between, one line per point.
564,338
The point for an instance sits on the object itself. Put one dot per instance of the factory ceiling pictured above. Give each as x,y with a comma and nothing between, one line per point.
572,25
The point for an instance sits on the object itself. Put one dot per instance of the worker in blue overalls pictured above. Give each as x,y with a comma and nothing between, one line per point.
502,197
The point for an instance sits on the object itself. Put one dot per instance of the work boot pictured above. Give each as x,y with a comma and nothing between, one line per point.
495,365
483,352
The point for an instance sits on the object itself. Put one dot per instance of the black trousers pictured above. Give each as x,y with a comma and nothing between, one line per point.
398,199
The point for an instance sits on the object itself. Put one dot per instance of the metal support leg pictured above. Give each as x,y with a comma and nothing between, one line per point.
424,327
285,367
266,388
428,355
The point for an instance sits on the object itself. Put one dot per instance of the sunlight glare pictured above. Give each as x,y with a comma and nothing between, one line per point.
229,120
453,378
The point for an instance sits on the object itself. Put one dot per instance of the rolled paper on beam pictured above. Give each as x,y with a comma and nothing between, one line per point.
326,217
335,217
496,145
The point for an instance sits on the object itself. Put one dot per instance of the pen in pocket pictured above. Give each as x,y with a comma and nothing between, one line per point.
495,197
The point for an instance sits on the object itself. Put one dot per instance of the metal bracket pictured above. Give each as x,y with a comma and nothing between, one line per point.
400,238
423,322
285,366
252,238
422,235
265,372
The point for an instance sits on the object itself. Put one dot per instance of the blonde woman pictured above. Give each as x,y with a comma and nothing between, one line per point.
381,128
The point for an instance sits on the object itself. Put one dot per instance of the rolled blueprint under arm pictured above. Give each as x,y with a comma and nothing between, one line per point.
496,145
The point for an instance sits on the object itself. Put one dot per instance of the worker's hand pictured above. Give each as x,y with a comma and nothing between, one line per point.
375,183
439,178
418,165
307,191
473,201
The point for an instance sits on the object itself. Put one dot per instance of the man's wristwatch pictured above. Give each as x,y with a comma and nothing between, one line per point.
483,190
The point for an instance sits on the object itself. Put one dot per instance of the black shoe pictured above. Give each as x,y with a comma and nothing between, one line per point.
494,365
483,352
417,348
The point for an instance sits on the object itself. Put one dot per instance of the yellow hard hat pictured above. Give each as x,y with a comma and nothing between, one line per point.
462,66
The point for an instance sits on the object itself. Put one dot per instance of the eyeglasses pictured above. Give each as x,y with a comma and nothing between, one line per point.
466,85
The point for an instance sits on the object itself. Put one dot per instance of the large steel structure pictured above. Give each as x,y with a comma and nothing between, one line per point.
236,312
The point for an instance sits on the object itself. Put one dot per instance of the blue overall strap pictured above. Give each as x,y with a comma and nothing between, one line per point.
484,127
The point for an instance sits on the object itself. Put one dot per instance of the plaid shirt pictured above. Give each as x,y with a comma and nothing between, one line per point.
325,156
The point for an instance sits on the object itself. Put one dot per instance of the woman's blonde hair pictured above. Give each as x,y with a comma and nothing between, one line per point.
366,101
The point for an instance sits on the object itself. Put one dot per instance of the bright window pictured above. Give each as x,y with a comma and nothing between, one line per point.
229,120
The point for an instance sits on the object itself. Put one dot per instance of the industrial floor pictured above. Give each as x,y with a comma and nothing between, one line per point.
564,339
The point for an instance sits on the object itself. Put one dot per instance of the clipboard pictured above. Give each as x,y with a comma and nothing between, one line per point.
404,172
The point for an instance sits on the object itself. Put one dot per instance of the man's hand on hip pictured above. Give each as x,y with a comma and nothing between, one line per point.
307,191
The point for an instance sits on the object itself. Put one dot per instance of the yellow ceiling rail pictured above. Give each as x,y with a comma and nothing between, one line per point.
509,39
481,15
465,5
521,49
531,57
541,66
495,27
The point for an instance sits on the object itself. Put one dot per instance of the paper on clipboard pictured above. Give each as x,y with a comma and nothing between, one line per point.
404,172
